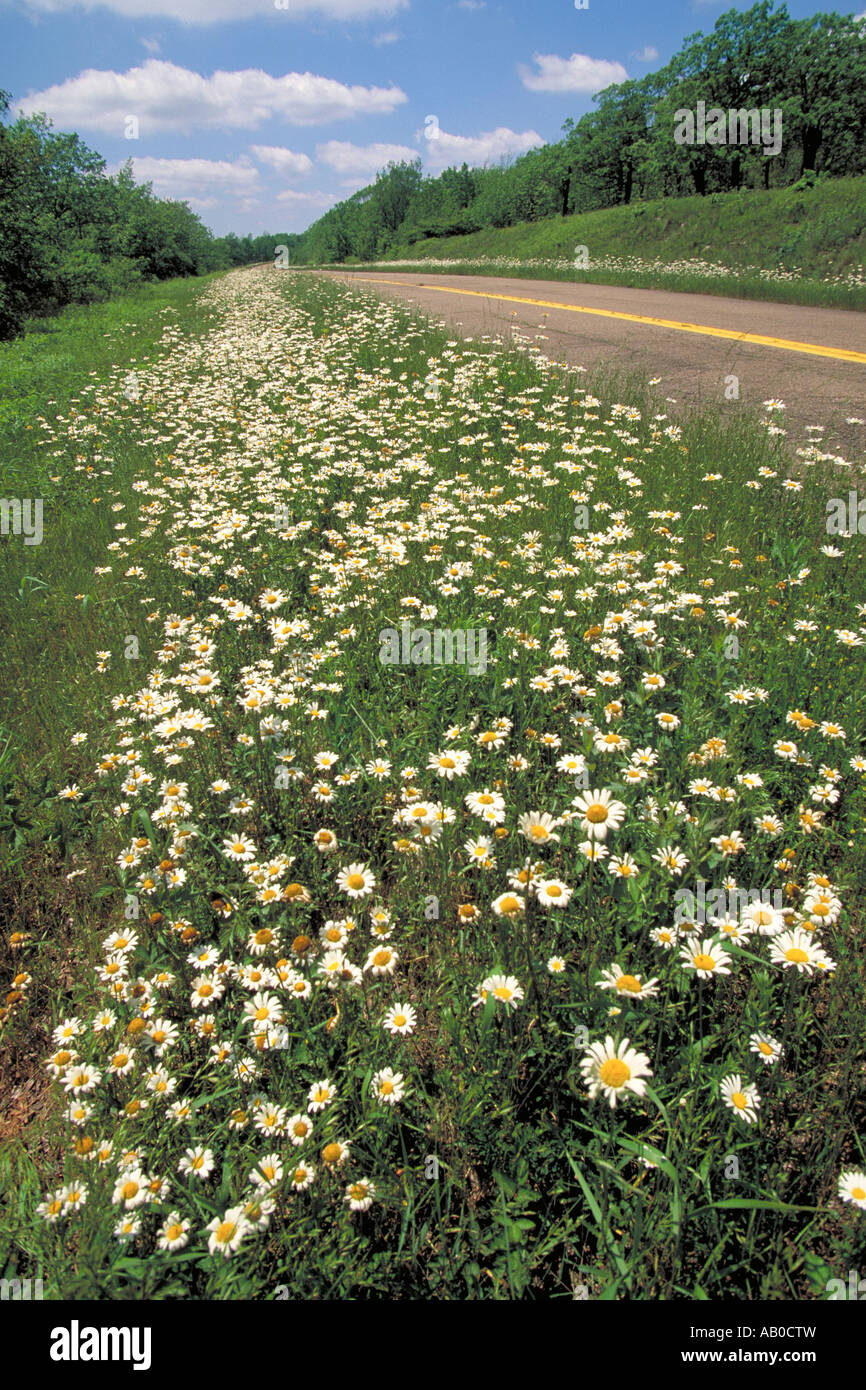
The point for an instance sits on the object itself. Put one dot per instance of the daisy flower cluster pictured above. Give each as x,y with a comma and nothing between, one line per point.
335,879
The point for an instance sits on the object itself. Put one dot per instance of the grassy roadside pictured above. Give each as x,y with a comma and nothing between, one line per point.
419,473
794,246
65,374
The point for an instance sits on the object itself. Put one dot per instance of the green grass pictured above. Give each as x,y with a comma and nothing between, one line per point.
57,372
312,438
811,243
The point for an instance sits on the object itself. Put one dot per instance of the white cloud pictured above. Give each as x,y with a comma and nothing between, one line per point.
284,161
478,150
647,54
228,11
355,161
472,4
198,180
152,45
391,36
579,73
166,97
313,198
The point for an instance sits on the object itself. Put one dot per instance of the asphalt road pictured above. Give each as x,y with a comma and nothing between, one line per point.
812,359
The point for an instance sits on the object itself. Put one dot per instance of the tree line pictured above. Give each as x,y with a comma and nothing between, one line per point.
72,234
812,72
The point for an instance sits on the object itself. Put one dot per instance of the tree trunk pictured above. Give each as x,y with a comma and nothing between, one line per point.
565,189
811,146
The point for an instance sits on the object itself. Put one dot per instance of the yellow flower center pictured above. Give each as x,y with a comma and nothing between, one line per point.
381,957
796,955
703,962
174,1231
740,1100
130,1190
629,983
387,1088
331,1153
447,763
858,1194
596,813
502,992
553,890
509,904
765,1048
355,881
614,1072
399,1020
225,1232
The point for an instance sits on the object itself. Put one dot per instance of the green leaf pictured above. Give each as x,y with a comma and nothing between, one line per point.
650,1153
755,1204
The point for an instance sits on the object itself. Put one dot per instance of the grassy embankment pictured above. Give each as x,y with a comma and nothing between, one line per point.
795,246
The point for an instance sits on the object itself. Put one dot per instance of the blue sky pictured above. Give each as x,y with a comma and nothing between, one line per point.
263,113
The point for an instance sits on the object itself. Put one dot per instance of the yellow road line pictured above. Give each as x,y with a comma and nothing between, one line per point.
788,344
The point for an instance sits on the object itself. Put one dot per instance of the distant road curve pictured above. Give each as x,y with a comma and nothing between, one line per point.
812,359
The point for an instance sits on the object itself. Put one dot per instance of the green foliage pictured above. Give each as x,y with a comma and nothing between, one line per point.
73,234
